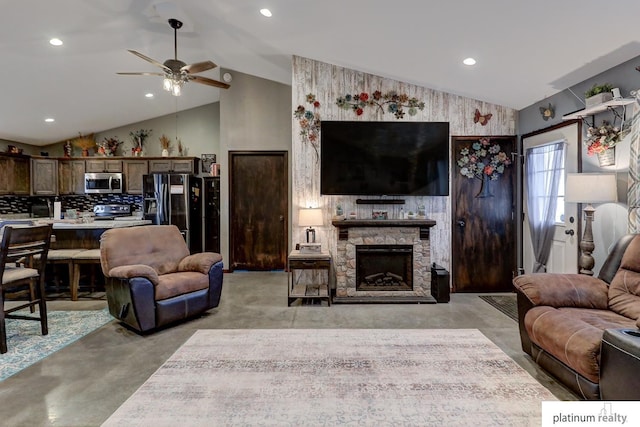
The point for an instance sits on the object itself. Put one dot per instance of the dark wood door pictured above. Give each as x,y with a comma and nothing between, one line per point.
483,217
258,210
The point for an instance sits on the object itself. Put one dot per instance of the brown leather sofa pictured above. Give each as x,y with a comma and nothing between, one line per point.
563,317
153,281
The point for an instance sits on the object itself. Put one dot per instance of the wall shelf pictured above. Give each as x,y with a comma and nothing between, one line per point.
609,105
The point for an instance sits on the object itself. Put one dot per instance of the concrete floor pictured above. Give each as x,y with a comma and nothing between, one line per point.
84,383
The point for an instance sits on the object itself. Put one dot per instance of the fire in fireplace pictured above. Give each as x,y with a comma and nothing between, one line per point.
384,268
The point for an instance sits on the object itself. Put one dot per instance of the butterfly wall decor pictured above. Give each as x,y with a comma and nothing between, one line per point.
547,112
480,118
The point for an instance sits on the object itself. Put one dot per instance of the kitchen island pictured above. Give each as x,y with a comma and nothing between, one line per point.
76,234
72,234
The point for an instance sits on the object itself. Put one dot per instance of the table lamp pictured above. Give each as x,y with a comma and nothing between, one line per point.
589,188
308,217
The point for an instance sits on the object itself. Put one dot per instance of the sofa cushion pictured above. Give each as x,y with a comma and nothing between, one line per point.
573,335
174,284
563,290
624,291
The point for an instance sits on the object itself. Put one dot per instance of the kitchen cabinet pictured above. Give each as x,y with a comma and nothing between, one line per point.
169,165
44,176
15,175
134,170
71,176
103,165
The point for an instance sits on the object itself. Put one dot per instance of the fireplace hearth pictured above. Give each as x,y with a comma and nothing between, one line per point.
382,268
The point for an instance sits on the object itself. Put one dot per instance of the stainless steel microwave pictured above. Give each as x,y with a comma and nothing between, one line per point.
103,183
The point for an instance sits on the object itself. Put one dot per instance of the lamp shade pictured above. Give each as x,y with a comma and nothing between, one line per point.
308,217
590,188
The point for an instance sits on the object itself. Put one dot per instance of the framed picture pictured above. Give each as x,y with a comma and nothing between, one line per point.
206,160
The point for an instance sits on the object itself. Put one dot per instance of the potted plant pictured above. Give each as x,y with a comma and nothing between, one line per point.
598,94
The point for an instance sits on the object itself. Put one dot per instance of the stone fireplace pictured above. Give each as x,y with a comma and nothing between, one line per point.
383,261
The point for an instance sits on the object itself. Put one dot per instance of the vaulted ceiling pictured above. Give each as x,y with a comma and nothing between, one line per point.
525,51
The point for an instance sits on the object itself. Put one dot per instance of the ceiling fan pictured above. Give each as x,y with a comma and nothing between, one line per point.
175,72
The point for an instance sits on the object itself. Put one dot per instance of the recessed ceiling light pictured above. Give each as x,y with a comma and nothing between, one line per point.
55,42
148,95
49,120
266,12
469,61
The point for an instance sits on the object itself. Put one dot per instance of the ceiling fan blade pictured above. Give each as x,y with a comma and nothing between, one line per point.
198,67
153,61
208,81
141,74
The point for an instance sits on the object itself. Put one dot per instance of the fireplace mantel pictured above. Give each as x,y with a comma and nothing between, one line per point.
344,225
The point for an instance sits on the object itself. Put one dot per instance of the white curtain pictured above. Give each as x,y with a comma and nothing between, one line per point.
544,168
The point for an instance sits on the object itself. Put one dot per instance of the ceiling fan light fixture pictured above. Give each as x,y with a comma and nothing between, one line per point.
176,90
167,83
175,72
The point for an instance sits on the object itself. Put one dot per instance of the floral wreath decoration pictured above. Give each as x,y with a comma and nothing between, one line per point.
483,159
395,103
601,138
309,121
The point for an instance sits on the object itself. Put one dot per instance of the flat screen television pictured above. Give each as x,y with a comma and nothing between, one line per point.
384,158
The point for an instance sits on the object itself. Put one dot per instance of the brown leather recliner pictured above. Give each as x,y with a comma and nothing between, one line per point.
153,281
562,319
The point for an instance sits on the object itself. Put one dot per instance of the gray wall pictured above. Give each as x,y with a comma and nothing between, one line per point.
198,129
255,115
610,219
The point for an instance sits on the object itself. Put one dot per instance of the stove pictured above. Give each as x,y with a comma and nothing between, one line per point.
111,211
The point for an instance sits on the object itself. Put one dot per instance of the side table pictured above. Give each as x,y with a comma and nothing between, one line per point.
300,284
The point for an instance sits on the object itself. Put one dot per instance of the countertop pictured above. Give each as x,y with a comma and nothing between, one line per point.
95,225
76,224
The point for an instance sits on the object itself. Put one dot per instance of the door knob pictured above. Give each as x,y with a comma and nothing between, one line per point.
461,223
569,232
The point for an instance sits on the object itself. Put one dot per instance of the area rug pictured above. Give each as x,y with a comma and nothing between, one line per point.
26,345
507,304
330,377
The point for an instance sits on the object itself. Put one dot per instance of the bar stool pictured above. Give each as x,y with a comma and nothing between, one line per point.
59,257
89,256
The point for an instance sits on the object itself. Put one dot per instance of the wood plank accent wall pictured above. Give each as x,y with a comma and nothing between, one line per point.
329,82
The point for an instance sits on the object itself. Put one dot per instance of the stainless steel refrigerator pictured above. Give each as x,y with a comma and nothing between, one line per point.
175,199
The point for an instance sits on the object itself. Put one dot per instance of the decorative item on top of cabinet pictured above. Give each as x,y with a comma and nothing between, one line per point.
85,142
44,176
134,170
169,165
138,137
103,165
109,146
71,176
14,174
165,143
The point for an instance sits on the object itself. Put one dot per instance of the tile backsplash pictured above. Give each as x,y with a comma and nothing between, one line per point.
10,205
